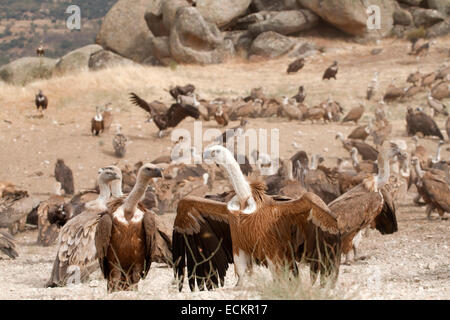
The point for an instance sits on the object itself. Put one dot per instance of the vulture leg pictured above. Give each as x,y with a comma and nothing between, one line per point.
429,210
241,262
160,133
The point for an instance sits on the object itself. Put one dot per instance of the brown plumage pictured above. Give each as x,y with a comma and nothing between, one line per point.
365,166
64,175
300,96
354,114
40,51
119,143
182,90
125,237
393,93
97,123
314,114
7,245
365,205
107,118
170,119
366,151
420,152
331,71
47,231
359,133
380,131
273,232
221,117
421,122
434,190
441,90
41,101
296,65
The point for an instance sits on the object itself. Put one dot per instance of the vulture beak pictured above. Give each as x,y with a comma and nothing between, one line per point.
158,173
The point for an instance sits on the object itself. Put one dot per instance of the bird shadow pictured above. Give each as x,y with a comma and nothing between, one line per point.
109,153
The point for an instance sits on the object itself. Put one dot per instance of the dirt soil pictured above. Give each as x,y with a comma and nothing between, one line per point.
413,263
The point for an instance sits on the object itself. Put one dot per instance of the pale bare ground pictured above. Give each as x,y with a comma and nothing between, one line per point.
410,264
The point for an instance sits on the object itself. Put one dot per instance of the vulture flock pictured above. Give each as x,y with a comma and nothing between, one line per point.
304,212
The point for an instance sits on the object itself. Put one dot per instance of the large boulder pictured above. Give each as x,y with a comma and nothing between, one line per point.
285,22
351,16
161,49
125,31
169,11
271,45
25,70
76,60
427,17
275,5
106,59
403,17
194,40
443,6
415,3
154,19
222,12
439,29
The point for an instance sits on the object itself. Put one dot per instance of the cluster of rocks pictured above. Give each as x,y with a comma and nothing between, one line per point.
211,31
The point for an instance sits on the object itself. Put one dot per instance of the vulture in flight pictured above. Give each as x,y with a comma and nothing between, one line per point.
125,237
170,119
7,245
296,66
41,101
64,175
273,231
331,71
367,204
421,122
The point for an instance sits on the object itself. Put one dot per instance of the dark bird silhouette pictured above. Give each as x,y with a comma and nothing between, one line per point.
184,91
170,119
40,51
300,96
41,101
7,245
63,174
366,151
421,122
331,71
296,66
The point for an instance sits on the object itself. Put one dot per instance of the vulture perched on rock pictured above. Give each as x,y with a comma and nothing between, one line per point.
41,101
421,122
296,65
170,119
7,245
64,175
331,71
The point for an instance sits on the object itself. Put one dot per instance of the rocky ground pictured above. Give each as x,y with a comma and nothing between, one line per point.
410,264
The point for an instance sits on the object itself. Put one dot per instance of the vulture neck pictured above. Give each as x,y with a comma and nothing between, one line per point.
314,163
383,170
104,191
98,116
135,196
418,169
355,159
241,187
116,188
438,154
